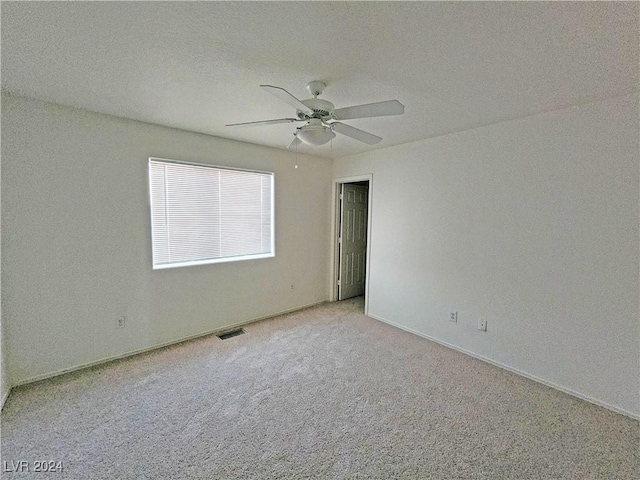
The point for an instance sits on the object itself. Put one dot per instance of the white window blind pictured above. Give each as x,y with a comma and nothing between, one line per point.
202,214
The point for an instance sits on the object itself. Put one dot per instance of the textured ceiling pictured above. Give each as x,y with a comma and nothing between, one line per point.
198,65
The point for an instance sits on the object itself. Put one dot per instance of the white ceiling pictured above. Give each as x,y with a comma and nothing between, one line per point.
197,65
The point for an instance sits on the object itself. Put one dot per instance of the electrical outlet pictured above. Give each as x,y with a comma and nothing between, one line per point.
293,287
120,321
482,325
453,317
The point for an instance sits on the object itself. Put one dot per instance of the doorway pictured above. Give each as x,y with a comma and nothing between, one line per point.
351,238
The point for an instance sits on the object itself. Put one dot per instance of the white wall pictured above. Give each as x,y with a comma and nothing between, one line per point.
4,379
530,224
77,247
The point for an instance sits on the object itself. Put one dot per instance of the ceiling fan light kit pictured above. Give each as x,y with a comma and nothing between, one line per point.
315,133
321,115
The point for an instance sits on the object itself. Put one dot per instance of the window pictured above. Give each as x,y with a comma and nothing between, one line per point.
202,214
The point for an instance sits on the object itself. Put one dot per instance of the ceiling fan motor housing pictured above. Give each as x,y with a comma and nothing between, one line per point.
321,109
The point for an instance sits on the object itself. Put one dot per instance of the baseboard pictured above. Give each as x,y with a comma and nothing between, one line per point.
82,366
522,373
4,398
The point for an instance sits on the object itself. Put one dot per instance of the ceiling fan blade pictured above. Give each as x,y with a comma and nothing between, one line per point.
295,142
264,122
355,133
380,109
286,97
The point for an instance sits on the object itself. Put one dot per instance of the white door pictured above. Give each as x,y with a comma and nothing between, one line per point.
352,241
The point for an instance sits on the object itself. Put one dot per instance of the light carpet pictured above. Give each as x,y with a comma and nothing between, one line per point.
324,393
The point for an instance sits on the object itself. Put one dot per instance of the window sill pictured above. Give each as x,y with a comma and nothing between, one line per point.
213,260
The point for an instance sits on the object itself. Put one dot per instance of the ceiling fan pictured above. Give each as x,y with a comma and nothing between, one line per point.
321,117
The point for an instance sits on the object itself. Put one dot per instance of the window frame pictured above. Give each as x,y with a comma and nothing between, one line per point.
208,261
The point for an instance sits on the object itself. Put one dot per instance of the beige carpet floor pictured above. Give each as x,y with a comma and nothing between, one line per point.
324,393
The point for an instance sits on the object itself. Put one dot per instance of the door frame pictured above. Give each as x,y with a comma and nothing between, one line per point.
335,232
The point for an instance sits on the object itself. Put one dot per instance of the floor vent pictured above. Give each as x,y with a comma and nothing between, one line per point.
232,333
